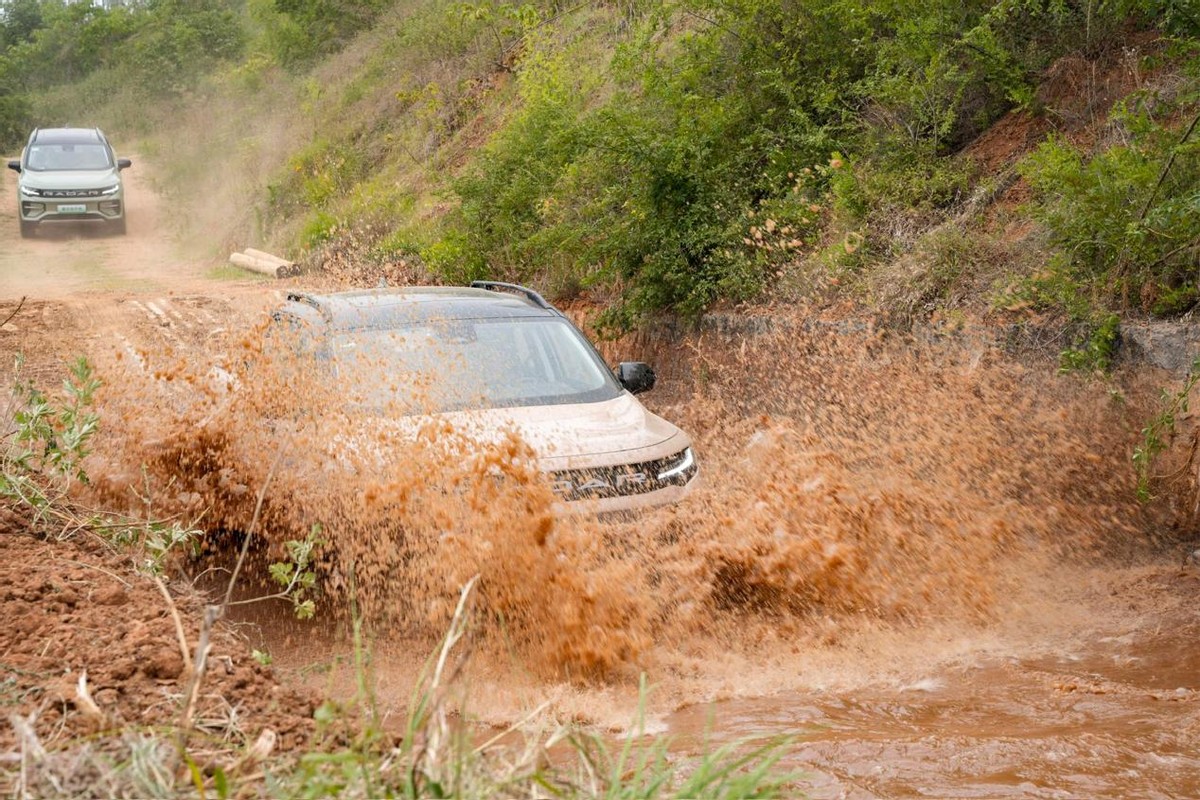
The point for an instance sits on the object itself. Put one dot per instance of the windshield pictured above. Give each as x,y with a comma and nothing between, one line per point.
480,363
53,157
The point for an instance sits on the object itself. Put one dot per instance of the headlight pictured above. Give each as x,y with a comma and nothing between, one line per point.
29,191
680,468
111,189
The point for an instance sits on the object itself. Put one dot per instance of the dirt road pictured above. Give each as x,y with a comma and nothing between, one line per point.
86,291
74,260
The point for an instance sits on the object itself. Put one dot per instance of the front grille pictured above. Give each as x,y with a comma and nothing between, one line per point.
619,481
72,192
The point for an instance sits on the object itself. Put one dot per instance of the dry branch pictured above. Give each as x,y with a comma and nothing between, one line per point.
179,634
15,311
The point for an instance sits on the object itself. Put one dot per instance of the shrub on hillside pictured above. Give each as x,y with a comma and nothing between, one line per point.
642,173
1126,218
301,30
14,110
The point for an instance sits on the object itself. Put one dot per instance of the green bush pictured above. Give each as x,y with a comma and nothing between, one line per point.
1126,219
321,228
316,176
644,173
453,258
1178,17
301,30
1054,288
15,110
19,21
650,190
1096,350
511,196
899,177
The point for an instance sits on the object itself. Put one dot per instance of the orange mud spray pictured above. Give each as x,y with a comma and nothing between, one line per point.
857,493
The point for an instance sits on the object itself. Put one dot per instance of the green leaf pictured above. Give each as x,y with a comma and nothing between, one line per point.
281,572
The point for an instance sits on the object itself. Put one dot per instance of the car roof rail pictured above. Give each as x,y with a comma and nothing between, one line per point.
310,300
499,286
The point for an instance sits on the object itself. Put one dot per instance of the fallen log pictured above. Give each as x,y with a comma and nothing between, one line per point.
271,268
263,256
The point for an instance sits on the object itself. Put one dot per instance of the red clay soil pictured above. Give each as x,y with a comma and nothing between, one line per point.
70,606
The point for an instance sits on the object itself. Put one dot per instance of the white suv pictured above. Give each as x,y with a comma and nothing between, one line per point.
493,357
69,175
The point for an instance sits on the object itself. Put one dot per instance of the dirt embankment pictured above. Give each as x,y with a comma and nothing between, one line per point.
89,646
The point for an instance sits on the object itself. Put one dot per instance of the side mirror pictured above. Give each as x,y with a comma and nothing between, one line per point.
124,163
15,166
636,376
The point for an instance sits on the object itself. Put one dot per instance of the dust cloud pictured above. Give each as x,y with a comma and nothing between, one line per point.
65,260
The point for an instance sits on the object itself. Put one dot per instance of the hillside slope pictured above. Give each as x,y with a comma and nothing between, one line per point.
669,157
927,159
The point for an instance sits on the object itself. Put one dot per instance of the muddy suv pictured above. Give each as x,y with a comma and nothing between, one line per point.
69,175
494,357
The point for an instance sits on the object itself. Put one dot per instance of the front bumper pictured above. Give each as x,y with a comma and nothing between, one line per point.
616,507
603,489
110,208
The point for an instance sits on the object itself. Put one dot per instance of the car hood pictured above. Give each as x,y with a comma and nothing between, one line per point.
70,179
573,436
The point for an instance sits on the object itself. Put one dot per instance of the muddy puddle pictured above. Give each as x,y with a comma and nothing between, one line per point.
923,561
1117,718
950,738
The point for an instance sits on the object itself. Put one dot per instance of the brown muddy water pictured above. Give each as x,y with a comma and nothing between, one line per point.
1099,715
924,561
1085,686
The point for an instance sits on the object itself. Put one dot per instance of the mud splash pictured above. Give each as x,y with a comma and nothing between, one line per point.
873,514
406,512
845,479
